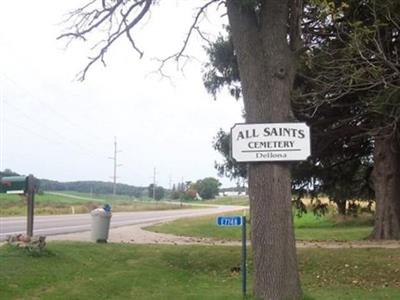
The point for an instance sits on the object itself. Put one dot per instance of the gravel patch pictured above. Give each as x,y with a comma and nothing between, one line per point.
135,234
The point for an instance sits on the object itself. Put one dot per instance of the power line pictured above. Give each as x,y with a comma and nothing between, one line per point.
50,140
59,138
62,138
50,108
32,132
57,133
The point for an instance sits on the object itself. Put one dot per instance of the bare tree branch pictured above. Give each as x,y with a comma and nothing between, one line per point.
89,19
116,18
193,28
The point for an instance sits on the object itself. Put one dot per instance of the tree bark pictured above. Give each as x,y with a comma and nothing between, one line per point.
386,177
341,207
266,67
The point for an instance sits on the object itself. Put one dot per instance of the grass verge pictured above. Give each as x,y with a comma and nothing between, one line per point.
122,271
229,200
307,227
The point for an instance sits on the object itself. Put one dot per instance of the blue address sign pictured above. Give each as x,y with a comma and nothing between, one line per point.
229,221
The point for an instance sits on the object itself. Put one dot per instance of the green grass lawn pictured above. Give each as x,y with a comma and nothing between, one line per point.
307,227
42,198
228,200
122,271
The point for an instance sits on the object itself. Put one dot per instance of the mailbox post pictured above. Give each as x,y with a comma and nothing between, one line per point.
23,185
30,197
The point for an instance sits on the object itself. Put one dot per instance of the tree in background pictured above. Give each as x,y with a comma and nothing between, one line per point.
8,172
352,64
208,187
341,181
229,167
159,193
156,192
151,191
184,191
190,192
175,194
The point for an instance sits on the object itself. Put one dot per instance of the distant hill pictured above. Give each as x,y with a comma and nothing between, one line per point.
8,172
96,187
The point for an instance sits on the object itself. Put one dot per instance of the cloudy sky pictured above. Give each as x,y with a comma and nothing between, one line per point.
58,128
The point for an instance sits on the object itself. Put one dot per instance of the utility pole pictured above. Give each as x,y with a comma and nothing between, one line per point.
116,165
183,191
154,184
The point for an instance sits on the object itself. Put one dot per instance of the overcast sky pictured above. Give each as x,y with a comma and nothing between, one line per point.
58,128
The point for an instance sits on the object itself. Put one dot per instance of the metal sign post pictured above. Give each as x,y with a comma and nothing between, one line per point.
244,257
229,221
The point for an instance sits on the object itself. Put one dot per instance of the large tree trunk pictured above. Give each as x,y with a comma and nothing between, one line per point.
341,207
266,66
272,236
386,177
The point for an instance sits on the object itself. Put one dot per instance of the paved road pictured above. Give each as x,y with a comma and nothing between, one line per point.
60,224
